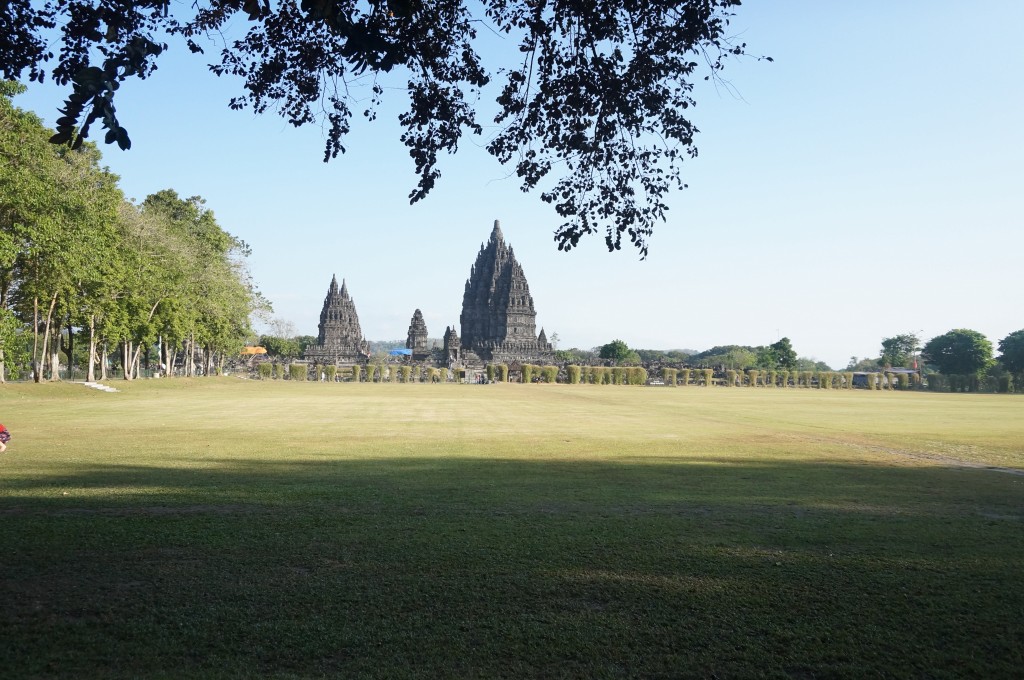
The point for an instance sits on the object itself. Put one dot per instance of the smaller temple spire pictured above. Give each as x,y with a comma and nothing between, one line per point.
496,234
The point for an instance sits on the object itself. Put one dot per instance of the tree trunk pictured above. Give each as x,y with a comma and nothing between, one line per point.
126,359
46,338
3,377
35,339
69,349
104,357
90,373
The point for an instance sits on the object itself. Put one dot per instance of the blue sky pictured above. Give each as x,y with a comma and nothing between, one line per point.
865,183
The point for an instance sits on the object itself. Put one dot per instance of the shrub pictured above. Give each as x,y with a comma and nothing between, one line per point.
617,375
572,374
604,374
668,376
915,380
332,372
278,371
730,378
406,373
502,372
808,377
904,381
527,371
709,376
783,378
417,373
684,377
1005,384
752,375
550,374
848,380
936,383
489,371
869,381
356,370
298,371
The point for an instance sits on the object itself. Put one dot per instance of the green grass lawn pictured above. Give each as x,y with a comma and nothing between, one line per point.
230,528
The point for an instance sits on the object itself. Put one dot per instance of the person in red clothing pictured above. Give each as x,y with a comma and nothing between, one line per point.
5,436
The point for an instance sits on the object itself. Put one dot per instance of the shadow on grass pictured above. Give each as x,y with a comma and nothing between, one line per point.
503,568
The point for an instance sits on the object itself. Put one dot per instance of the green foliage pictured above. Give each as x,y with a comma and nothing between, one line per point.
753,375
573,374
331,372
731,377
619,353
550,374
617,374
264,371
298,371
709,374
527,373
489,371
406,373
848,380
279,371
959,351
1011,353
669,376
356,373
503,373
287,348
684,376
899,351
903,380
726,356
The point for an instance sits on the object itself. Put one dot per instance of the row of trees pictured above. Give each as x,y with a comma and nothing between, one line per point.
80,264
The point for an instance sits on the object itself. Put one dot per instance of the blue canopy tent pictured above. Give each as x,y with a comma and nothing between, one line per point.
400,352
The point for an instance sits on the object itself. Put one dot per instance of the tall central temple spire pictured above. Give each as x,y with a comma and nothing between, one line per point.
498,319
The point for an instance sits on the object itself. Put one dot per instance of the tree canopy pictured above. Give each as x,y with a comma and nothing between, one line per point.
592,107
1011,352
961,351
619,353
77,259
899,351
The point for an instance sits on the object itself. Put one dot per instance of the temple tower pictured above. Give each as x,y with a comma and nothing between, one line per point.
416,340
340,340
499,322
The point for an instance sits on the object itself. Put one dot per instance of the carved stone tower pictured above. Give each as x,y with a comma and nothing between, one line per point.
498,319
340,339
417,337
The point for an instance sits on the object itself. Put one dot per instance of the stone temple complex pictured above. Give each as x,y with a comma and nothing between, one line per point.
340,339
499,322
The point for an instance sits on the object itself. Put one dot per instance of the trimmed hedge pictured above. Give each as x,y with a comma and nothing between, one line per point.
265,371
298,371
573,374
356,371
332,372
